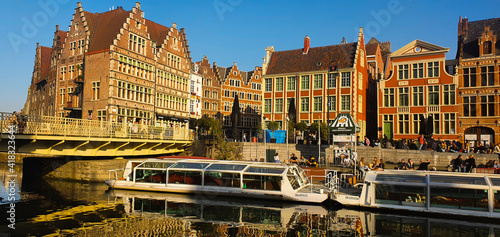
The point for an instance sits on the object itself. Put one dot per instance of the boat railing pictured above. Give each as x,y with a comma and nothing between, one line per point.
332,180
115,172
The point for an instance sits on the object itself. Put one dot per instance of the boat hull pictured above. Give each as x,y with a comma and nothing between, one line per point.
218,191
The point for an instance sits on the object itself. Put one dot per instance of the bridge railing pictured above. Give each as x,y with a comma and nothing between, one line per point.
59,126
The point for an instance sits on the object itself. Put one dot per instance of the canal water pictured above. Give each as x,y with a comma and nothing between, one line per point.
64,208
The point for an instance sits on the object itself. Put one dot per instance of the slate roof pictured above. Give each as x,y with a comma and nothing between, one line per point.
107,28
474,31
318,58
223,73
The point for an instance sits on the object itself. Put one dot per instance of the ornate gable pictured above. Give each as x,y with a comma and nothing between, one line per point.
417,47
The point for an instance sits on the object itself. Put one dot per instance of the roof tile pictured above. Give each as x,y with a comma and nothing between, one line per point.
317,58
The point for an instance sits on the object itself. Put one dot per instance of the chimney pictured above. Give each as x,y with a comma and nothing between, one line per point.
138,5
57,27
307,43
462,26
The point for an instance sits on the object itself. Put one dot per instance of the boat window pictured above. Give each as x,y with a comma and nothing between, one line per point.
262,182
187,165
496,201
264,170
458,179
226,167
157,165
400,195
221,213
260,216
401,178
222,179
184,177
293,181
459,198
150,176
303,176
495,181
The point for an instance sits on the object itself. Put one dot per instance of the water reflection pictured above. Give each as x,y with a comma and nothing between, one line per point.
59,207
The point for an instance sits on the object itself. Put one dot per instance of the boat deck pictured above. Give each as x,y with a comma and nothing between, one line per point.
350,191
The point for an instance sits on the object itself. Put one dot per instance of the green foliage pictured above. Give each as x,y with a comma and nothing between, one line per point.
301,126
324,131
273,126
223,150
323,128
291,126
208,124
313,128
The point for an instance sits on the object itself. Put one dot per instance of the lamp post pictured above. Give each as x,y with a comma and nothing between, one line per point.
319,141
328,119
286,136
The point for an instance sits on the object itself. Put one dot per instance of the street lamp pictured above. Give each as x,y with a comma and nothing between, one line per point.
286,132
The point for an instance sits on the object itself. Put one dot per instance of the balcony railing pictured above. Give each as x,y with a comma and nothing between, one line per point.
404,109
433,108
58,126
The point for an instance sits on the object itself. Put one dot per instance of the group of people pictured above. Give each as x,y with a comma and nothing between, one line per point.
403,165
303,161
18,121
461,165
377,164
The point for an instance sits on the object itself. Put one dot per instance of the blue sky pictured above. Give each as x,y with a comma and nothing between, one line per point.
238,31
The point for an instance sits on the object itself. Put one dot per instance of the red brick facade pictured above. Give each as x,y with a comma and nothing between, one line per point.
478,57
314,77
221,85
418,86
119,66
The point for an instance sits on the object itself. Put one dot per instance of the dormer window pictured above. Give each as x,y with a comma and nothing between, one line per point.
487,47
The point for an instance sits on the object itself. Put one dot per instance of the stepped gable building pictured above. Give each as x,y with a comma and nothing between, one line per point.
316,77
211,90
418,87
42,92
118,66
478,56
377,54
220,87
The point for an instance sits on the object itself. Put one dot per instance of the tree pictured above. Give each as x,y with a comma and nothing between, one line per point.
323,130
301,126
291,126
273,126
223,149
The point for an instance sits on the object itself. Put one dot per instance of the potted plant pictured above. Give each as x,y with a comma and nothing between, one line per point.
273,126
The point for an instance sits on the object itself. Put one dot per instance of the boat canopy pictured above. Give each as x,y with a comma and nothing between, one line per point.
214,165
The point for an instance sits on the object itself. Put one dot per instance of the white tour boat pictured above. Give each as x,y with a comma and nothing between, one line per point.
451,193
276,181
